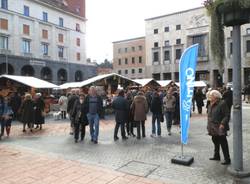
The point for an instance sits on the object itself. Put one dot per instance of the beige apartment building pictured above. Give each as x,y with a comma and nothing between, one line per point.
129,58
169,35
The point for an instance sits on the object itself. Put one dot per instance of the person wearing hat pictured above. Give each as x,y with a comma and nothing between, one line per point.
218,125
121,107
39,106
27,112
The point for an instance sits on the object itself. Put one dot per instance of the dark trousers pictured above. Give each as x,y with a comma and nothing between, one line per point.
140,125
79,127
117,125
63,114
129,128
221,141
199,109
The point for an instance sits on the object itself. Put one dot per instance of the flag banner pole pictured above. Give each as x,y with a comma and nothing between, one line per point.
187,68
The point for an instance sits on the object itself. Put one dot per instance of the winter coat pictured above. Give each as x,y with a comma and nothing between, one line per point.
71,101
228,97
27,111
121,107
79,114
218,114
199,98
156,105
63,102
39,106
139,108
169,104
99,105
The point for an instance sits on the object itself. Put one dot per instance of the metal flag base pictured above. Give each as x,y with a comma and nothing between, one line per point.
182,160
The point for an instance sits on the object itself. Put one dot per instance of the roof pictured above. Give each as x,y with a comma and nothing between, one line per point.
131,39
30,81
184,11
196,84
164,83
91,81
144,82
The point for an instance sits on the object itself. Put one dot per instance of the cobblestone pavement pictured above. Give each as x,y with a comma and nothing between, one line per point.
148,158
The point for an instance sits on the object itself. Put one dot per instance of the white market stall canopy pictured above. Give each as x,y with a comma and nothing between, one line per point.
196,84
145,82
30,81
164,83
91,81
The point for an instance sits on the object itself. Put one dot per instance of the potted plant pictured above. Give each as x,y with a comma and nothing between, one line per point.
225,13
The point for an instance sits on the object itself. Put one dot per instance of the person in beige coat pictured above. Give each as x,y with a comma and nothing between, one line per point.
140,108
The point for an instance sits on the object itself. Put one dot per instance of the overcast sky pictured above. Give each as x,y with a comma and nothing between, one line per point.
113,20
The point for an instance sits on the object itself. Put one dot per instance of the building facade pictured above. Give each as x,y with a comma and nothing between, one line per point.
45,39
169,35
129,58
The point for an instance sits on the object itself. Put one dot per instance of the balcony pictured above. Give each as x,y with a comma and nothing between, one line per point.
5,51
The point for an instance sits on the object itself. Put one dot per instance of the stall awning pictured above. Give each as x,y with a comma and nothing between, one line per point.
145,82
30,81
91,81
164,83
196,84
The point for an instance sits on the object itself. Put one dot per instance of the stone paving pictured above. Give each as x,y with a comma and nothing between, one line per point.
148,158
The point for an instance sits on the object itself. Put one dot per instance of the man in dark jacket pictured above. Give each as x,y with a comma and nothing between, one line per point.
156,109
71,101
218,118
121,107
228,98
94,105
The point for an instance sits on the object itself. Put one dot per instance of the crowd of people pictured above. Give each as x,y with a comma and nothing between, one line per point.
24,109
130,108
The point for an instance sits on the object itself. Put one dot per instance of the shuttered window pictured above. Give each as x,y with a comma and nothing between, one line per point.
78,42
45,34
26,29
4,24
60,38
78,56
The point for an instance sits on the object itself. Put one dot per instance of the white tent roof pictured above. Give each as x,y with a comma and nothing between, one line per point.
30,81
164,83
196,84
90,81
144,82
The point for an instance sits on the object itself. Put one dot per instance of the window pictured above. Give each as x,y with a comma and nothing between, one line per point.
133,49
178,41
140,70
45,16
126,50
119,72
248,46
248,31
60,52
45,49
133,71
60,38
178,27
140,59
155,31
126,71
166,43
231,48
4,4
166,29
126,61
4,24
119,62
156,44
61,22
133,60
177,54
45,34
231,33
155,56
119,51
78,56
26,11
200,39
4,42
166,55
78,42
78,28
26,46
140,47
26,29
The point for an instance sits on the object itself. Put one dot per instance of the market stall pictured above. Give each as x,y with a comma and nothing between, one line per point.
148,83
